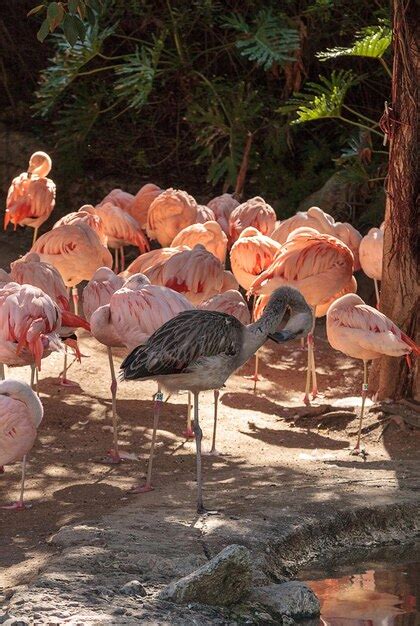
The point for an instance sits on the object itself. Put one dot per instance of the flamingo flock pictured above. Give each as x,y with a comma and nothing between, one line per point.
177,309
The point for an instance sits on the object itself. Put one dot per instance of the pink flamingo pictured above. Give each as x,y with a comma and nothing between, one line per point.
29,325
209,234
86,217
134,312
75,250
251,254
229,282
319,266
195,273
121,230
32,271
21,413
254,212
205,214
99,290
169,213
120,198
147,261
31,196
139,206
222,206
324,223
362,332
371,254
232,303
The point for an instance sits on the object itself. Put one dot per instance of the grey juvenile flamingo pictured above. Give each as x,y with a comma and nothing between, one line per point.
199,350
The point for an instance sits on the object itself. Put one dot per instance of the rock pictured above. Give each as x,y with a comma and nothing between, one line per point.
223,581
292,599
77,535
133,588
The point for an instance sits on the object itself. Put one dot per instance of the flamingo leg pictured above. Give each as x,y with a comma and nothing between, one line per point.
2,372
114,456
35,379
19,504
75,296
376,292
34,238
309,368
216,406
156,414
116,263
188,432
122,265
313,368
357,450
198,437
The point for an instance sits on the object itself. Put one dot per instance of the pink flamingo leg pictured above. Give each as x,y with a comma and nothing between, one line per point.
309,368
188,432
116,263
357,449
63,381
122,265
148,485
113,457
75,297
313,368
376,292
19,505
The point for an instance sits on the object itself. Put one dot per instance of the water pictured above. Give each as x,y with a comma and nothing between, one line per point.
382,589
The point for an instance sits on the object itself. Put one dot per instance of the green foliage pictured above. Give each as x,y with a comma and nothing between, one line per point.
323,99
72,16
171,90
136,75
266,40
372,41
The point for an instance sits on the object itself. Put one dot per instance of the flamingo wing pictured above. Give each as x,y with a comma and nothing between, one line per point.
184,343
17,430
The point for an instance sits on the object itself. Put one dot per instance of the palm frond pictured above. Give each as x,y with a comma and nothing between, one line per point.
323,99
65,66
267,40
372,42
136,75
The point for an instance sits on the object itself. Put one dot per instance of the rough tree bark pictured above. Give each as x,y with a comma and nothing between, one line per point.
400,289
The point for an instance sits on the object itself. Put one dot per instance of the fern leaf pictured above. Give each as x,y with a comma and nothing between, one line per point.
323,99
372,42
267,41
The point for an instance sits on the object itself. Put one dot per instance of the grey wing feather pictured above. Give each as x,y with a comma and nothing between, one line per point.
177,345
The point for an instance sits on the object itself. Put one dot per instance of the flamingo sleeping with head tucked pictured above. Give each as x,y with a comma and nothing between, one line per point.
363,332
371,254
254,212
31,196
210,235
319,266
222,206
170,212
21,413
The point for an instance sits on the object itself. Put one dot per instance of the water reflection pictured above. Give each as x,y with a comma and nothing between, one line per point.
387,594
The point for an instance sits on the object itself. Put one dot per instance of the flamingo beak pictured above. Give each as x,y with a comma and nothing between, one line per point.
281,336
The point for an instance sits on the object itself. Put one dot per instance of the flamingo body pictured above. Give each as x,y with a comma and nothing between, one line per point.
222,206
209,234
139,207
230,302
169,213
254,212
120,228
31,196
99,290
251,254
147,261
75,250
32,271
371,253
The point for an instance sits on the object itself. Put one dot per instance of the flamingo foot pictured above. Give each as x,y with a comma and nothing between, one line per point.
314,393
65,382
141,488
112,458
253,377
359,451
212,452
17,506
188,433
306,400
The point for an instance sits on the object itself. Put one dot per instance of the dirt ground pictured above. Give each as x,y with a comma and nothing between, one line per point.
263,438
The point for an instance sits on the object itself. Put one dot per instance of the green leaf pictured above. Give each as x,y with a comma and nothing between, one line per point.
267,40
43,31
80,27
372,42
136,75
95,5
90,15
70,29
53,11
321,100
36,9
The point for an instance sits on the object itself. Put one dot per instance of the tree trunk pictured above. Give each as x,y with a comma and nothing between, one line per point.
391,377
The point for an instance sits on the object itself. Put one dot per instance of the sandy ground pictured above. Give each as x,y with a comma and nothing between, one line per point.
264,440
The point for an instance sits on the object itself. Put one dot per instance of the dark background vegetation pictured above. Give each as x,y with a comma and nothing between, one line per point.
168,92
